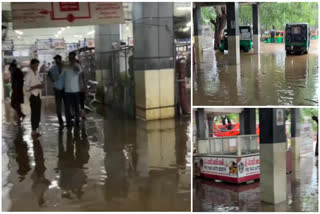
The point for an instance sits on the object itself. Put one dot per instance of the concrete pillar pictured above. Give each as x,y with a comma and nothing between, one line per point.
233,33
210,123
295,141
154,59
197,34
256,28
200,123
248,121
273,180
105,35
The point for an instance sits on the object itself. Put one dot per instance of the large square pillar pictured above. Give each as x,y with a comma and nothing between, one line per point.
273,179
105,36
295,141
256,28
248,121
197,34
233,33
154,59
200,123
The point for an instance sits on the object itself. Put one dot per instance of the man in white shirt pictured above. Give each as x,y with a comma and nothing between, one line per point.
32,83
70,76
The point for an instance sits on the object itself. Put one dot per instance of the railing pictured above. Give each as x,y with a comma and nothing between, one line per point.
234,145
115,71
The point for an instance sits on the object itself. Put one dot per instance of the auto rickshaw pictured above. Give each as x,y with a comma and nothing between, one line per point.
246,42
314,34
266,37
297,38
279,36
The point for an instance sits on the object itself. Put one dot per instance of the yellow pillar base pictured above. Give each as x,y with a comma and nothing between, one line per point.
154,91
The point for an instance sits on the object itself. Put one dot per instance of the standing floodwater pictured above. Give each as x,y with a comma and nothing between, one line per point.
268,78
110,163
302,196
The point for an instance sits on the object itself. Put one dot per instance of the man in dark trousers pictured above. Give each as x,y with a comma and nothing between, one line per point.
70,76
17,97
33,85
55,75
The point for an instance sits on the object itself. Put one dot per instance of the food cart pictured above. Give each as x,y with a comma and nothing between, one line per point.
234,159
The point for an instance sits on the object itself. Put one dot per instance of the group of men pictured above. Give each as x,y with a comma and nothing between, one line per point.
70,86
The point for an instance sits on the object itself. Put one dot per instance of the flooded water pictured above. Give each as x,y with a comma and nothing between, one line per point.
270,78
302,194
110,163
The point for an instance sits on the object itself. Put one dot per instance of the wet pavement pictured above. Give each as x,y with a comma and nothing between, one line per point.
302,189
271,78
111,163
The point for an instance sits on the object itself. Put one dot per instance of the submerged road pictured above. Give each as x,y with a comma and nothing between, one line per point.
302,193
270,78
111,163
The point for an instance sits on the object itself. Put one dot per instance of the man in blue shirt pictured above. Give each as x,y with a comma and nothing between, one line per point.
70,76
55,74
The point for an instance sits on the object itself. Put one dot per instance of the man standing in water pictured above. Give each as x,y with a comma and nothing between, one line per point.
17,97
70,76
33,85
55,75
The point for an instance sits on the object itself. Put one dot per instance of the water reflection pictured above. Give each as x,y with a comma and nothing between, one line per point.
110,163
269,78
71,161
40,184
22,157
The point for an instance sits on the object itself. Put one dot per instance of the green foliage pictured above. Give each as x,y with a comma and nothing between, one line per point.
245,15
306,115
207,14
276,15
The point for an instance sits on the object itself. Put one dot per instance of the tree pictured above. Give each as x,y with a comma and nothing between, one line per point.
276,15
207,14
219,24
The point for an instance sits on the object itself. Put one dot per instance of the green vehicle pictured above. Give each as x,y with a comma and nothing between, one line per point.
266,37
245,39
314,34
279,36
297,38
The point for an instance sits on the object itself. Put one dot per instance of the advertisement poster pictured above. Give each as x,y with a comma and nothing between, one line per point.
249,166
230,167
280,117
219,166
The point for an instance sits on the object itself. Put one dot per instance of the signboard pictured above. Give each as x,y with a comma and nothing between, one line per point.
231,167
59,43
43,44
90,43
249,166
219,166
59,14
72,46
